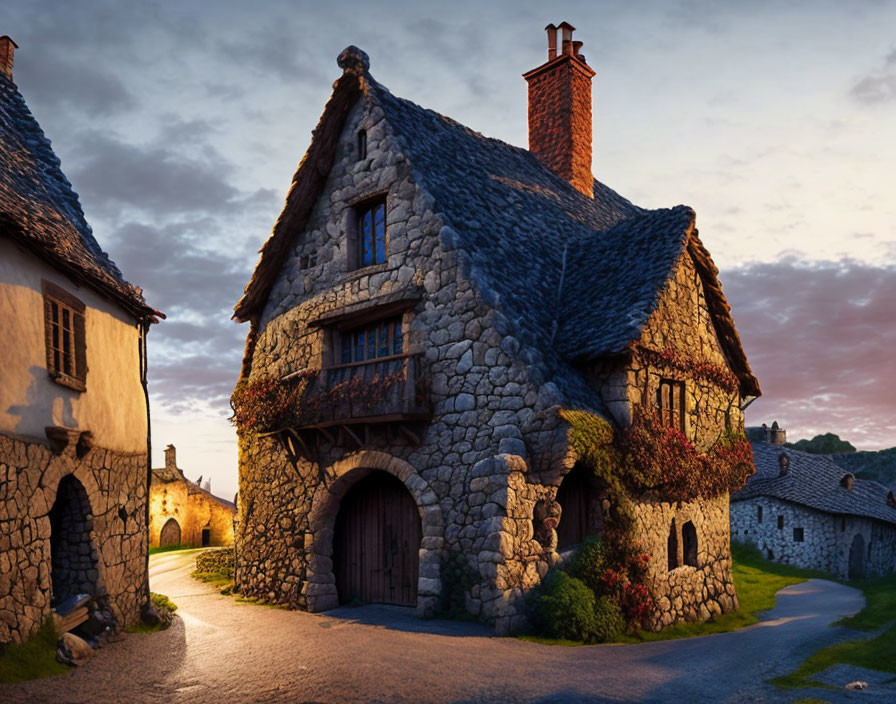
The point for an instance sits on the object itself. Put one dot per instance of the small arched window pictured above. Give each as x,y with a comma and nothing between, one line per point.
689,543
672,546
759,514
362,144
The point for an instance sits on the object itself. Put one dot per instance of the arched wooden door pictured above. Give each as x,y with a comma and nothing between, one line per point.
579,518
376,543
170,534
857,557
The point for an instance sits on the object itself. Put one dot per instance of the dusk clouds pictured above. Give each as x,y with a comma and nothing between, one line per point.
181,125
821,338
880,86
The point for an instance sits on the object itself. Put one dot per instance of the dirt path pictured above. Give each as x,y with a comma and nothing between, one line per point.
223,652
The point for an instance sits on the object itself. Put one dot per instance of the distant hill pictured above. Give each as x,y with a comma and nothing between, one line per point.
879,466
827,444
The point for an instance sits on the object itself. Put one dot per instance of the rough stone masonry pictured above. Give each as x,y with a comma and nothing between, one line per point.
511,295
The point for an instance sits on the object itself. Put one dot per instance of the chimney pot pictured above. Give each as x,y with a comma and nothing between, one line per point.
552,41
7,54
170,457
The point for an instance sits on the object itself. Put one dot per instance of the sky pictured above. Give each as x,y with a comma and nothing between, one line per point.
181,125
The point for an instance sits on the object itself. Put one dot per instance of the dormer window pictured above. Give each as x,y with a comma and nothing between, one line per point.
371,233
362,145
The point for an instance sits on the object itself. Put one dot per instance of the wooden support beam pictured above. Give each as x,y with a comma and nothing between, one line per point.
410,434
352,435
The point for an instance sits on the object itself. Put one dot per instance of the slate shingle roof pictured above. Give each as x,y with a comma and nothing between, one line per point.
39,209
576,277
814,481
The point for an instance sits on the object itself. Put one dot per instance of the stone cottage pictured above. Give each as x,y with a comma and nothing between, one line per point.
181,512
431,310
805,510
74,412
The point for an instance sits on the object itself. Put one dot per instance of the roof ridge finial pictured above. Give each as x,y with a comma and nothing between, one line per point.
353,60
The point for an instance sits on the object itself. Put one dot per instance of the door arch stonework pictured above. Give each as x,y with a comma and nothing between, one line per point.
170,534
320,589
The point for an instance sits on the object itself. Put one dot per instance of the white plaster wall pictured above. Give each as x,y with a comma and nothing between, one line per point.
113,407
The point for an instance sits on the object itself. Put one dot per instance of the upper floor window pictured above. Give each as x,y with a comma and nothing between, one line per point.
382,338
372,233
362,144
65,337
670,403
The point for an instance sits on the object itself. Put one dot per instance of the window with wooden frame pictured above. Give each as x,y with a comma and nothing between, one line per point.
380,338
65,337
371,233
670,403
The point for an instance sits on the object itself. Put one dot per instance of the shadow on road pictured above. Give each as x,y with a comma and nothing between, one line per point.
401,618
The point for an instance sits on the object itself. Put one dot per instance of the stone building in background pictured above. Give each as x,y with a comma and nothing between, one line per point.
74,412
182,512
441,299
805,510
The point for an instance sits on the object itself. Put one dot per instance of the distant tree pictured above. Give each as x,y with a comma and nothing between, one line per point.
827,444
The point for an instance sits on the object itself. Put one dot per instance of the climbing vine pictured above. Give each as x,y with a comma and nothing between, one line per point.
647,456
692,366
269,404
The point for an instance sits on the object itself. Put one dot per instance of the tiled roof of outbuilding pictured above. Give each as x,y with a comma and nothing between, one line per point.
814,481
39,209
576,277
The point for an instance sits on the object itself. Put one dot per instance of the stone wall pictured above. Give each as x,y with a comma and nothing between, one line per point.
826,538
109,490
687,592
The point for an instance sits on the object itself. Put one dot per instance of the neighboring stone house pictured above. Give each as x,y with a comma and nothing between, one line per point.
435,301
805,510
74,413
181,512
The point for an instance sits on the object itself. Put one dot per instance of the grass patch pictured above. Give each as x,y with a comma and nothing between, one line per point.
878,653
757,581
32,659
170,548
222,581
164,607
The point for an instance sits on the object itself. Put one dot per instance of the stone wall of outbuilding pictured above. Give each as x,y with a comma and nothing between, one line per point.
115,485
826,538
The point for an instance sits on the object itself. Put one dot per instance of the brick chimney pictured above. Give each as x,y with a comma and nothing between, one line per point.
7,51
560,110
170,457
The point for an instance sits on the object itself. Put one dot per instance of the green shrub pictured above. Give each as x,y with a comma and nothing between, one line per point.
589,564
609,621
564,608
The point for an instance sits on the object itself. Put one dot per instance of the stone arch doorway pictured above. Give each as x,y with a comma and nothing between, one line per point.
857,557
320,588
580,503
73,557
376,542
170,534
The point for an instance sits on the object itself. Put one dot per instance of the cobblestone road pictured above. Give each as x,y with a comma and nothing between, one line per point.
223,652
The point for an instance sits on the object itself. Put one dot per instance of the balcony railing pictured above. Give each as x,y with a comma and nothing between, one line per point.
373,391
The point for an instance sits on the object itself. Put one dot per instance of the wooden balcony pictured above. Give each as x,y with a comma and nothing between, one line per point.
363,404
